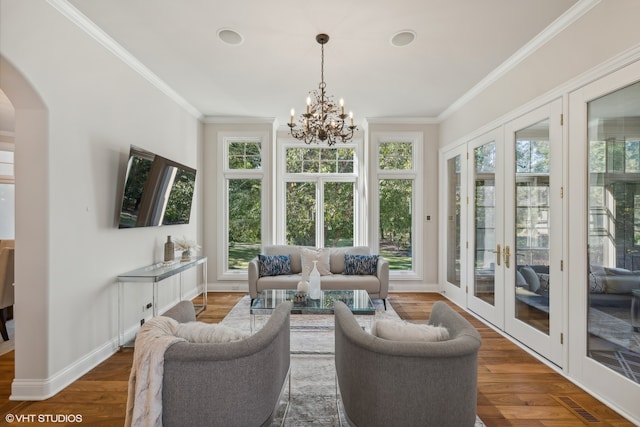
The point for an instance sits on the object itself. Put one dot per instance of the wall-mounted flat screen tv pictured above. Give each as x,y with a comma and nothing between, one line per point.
157,191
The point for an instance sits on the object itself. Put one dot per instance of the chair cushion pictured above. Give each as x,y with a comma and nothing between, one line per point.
399,330
200,332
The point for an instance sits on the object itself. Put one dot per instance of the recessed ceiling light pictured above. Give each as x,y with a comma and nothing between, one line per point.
230,36
403,38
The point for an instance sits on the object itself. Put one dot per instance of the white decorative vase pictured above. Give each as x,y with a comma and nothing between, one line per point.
314,282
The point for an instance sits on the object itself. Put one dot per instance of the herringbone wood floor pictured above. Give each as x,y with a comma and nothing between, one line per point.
514,388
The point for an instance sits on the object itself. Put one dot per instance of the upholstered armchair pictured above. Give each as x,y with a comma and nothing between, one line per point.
384,382
232,384
6,286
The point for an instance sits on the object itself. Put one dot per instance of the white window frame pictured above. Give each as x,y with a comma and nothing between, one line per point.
416,174
225,173
8,229
282,177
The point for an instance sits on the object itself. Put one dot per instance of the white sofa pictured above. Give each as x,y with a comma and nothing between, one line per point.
376,285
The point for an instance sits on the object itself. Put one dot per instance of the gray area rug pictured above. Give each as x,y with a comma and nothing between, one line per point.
622,361
613,329
312,391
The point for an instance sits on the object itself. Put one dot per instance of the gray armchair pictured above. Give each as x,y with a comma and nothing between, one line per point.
232,384
385,382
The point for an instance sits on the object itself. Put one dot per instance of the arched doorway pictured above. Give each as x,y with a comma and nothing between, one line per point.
31,314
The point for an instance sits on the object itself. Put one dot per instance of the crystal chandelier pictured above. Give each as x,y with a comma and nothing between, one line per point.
324,120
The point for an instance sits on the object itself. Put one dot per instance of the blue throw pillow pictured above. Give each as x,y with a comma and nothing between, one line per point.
274,265
360,264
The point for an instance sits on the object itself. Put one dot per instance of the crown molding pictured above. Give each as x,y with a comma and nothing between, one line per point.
74,15
556,27
402,120
237,120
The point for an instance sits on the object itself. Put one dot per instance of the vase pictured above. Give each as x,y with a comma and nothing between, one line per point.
314,282
169,250
186,255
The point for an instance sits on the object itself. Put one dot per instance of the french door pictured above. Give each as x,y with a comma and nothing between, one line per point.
533,230
486,227
503,239
453,234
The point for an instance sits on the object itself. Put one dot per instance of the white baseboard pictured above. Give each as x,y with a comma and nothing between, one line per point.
41,389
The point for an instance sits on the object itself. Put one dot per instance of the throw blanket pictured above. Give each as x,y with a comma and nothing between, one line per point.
144,398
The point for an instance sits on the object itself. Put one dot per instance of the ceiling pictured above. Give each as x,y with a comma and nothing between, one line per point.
458,44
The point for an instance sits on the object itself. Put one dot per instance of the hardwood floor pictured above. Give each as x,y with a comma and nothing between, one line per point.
514,388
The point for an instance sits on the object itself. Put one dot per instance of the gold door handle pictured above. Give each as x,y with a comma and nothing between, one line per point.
507,255
498,251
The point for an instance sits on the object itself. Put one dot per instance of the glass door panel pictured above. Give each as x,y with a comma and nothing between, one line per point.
485,249
486,186
453,234
613,332
532,178
454,213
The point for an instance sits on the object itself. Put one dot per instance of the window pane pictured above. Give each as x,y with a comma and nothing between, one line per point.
245,211
301,213
244,155
338,214
320,160
7,211
396,156
485,227
532,231
613,251
453,220
396,222
6,163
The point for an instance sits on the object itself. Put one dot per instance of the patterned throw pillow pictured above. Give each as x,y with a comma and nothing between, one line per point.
360,264
274,265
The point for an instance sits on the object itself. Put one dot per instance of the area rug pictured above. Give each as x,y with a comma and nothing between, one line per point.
624,362
613,329
313,400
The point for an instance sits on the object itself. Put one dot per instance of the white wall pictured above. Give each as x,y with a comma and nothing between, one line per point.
69,251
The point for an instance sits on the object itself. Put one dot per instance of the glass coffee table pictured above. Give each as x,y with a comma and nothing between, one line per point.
358,302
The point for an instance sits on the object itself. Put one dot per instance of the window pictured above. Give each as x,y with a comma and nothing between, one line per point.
397,183
243,177
319,195
7,196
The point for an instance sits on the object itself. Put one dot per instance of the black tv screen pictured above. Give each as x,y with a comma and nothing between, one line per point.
157,191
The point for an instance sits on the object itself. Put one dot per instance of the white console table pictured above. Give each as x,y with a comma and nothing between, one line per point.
155,273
